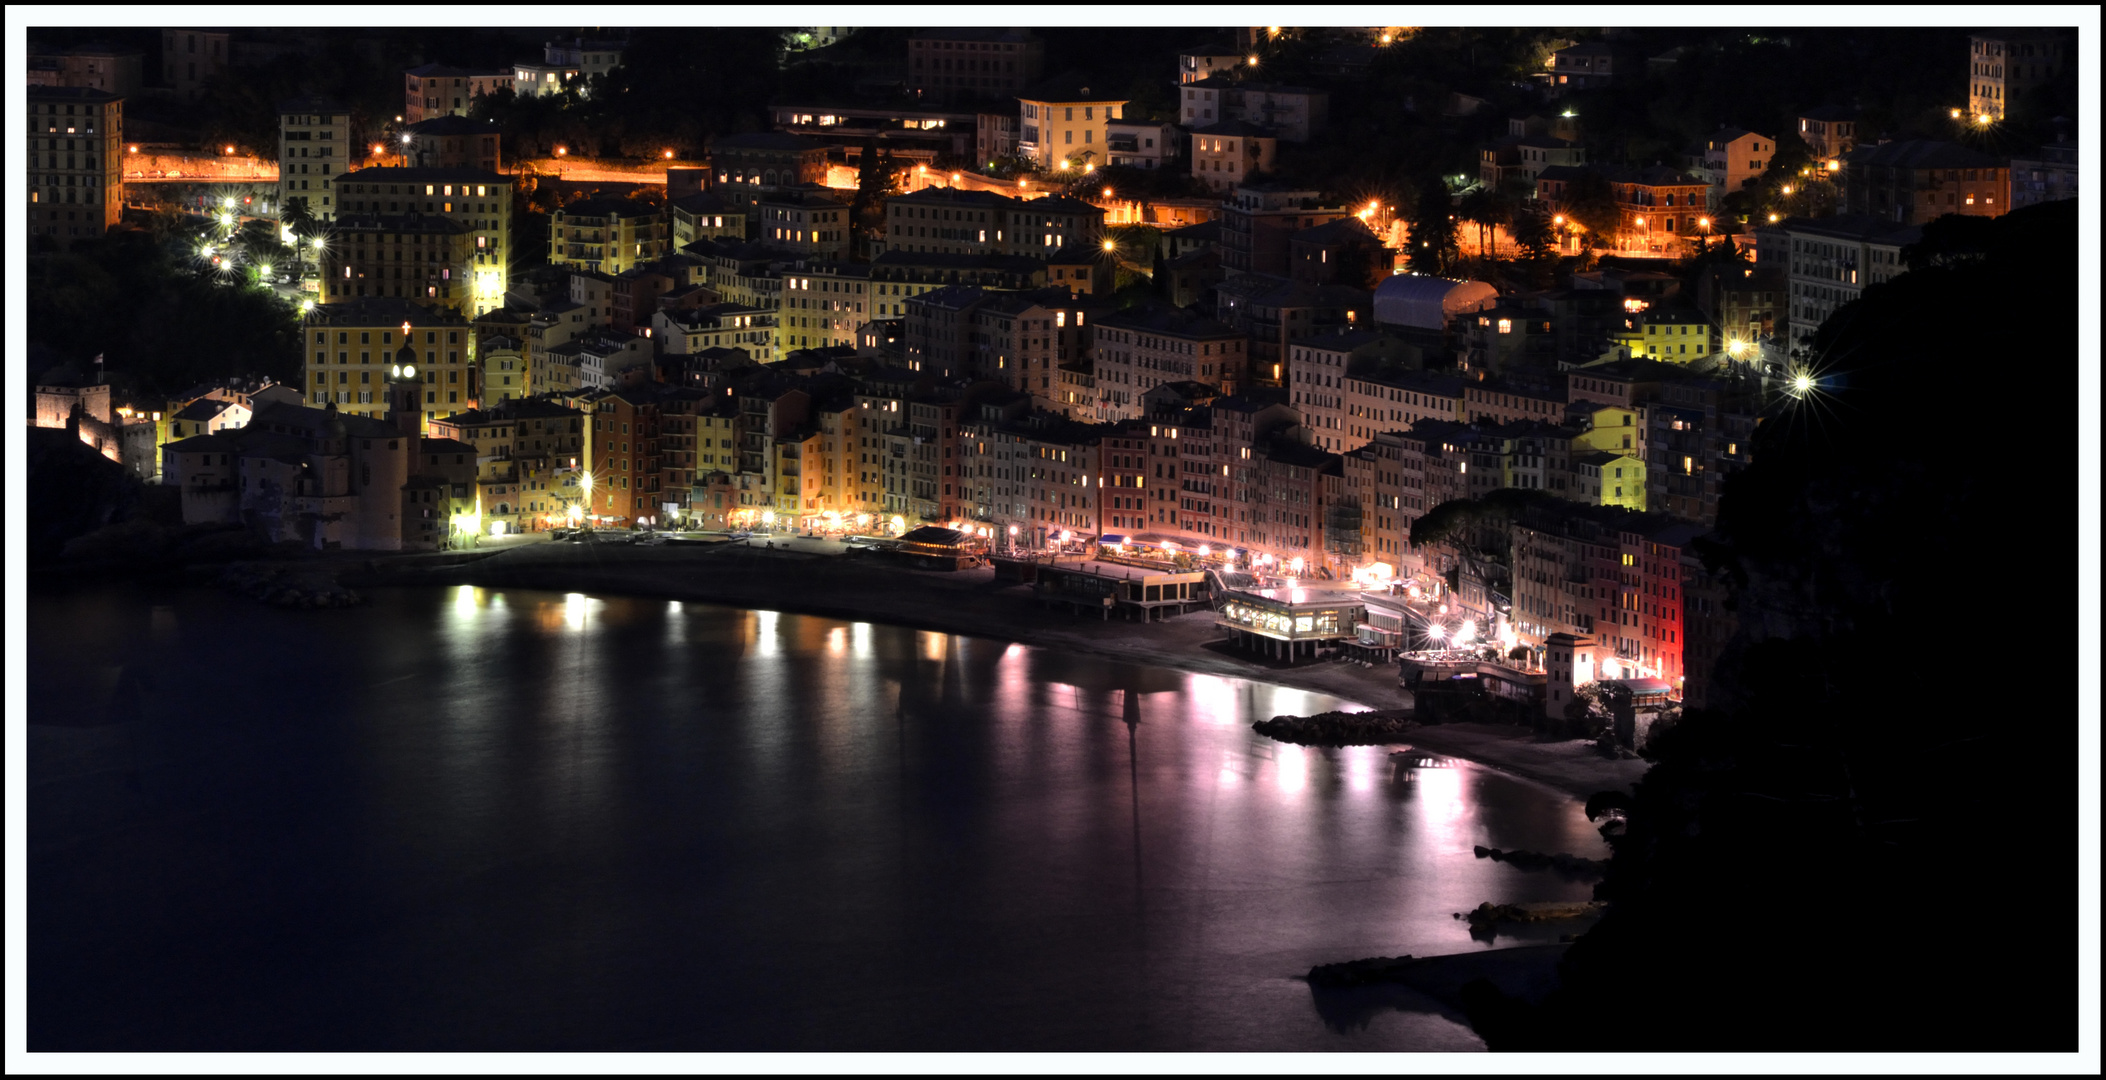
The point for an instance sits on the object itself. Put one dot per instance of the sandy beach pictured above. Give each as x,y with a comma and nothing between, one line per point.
812,577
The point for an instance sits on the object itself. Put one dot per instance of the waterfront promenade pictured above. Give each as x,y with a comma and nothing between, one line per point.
815,577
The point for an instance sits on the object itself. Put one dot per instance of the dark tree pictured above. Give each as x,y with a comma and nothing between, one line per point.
1591,201
1842,794
1432,229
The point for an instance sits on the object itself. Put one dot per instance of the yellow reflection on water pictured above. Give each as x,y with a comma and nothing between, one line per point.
932,645
574,610
859,639
837,641
764,639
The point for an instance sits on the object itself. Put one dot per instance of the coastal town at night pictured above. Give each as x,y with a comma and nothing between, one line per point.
700,539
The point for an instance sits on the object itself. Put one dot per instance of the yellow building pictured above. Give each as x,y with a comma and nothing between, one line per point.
351,348
478,201
76,166
1063,122
824,306
607,235
1609,478
1612,428
1675,334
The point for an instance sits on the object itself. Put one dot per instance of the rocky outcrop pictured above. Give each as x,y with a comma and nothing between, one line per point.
1338,728
1572,865
288,586
1379,969
1488,914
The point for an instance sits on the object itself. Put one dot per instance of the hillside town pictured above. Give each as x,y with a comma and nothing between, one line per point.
971,302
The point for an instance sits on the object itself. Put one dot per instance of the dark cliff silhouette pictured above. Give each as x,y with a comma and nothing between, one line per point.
1868,841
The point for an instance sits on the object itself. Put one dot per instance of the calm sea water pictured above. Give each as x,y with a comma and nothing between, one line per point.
470,819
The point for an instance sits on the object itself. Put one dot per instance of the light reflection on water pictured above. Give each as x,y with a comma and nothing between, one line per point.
510,819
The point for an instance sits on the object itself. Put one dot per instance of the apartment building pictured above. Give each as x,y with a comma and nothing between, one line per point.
1140,348
1914,180
1732,158
607,234
1063,122
1830,131
430,91
453,142
480,202
1226,154
823,304
352,347
1828,262
314,149
965,62
76,162
528,452
192,58
807,219
2004,64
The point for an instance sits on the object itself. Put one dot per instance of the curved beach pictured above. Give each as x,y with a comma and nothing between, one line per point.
810,577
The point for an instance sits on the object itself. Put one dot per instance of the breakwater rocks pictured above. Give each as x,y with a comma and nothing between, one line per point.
1380,969
287,586
1338,728
1488,914
1572,865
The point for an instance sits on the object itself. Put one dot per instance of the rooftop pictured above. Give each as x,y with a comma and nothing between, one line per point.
1241,128
1921,154
1074,86
439,125
608,207
409,175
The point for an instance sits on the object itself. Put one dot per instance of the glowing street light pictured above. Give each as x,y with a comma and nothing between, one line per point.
1253,60
669,155
560,151
1110,245
1983,120
1956,114
405,139
1787,189
1773,219
1802,384
1296,566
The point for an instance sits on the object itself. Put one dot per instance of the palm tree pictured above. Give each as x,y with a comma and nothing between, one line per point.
1476,208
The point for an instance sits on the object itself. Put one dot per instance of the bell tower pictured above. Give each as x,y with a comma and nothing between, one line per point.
405,391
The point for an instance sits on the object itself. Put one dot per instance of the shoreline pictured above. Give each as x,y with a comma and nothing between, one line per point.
805,578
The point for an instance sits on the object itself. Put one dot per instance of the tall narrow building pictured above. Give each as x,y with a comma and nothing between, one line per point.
314,148
76,162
